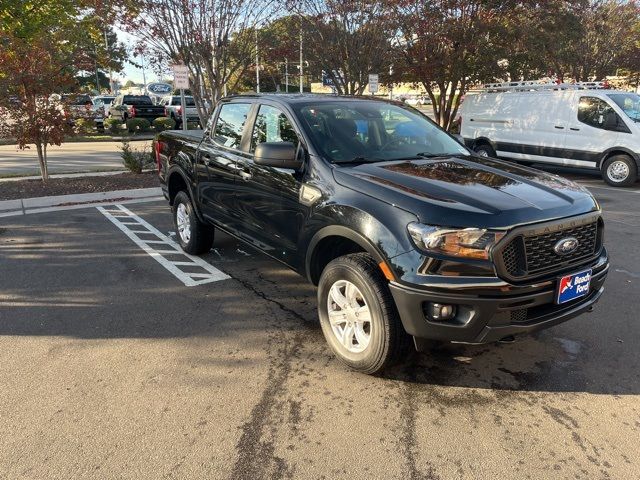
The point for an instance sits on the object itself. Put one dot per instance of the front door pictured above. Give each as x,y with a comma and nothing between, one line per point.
268,197
588,135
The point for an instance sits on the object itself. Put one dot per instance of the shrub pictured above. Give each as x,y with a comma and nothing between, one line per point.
163,123
136,160
114,125
136,125
84,126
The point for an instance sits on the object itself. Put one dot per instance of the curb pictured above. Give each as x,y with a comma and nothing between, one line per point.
25,206
53,176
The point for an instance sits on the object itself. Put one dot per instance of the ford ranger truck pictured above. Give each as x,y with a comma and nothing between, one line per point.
406,233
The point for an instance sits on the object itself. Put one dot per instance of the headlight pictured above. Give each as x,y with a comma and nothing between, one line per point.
467,242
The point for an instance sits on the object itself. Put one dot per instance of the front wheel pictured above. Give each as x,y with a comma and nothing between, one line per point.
358,317
620,171
194,236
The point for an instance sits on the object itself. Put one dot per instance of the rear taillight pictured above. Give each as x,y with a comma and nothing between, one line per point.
165,112
133,111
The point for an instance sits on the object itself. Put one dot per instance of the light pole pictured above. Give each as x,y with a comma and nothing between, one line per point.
301,72
257,65
106,44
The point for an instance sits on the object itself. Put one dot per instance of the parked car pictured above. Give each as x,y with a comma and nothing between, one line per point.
418,100
173,109
125,107
81,105
405,231
597,129
103,102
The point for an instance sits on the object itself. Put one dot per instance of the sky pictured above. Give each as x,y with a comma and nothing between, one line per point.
130,71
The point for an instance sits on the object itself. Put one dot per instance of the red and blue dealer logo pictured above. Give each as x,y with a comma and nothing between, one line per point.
573,286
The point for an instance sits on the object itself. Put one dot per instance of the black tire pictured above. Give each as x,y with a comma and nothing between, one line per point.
200,237
615,176
388,340
485,150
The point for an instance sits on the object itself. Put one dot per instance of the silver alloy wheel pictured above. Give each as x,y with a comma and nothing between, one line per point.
618,171
349,316
483,153
183,222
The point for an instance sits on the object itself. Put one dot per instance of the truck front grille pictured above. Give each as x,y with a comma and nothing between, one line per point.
531,253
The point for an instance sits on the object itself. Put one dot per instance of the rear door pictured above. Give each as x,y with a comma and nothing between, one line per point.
267,197
221,153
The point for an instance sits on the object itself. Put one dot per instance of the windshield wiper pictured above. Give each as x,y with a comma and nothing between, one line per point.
357,160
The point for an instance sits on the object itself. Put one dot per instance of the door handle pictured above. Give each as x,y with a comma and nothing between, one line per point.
574,129
559,127
245,175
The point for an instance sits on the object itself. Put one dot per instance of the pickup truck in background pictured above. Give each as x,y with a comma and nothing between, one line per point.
173,109
125,107
76,106
406,232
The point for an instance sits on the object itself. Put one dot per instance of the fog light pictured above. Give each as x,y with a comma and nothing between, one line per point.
439,312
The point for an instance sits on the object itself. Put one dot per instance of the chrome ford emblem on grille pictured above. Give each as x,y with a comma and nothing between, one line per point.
566,246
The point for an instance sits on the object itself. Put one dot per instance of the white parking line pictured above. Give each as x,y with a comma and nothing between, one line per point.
210,274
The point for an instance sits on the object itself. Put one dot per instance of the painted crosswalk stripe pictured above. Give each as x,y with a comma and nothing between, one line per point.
132,227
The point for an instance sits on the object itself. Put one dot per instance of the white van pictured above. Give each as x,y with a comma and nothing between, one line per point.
557,125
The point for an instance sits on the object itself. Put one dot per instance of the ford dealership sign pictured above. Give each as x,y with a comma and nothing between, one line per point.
160,88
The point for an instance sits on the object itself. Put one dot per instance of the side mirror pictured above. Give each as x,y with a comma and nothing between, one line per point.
277,154
611,121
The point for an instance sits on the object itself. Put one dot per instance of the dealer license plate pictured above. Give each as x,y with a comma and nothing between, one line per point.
573,286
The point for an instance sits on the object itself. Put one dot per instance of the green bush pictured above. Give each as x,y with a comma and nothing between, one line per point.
136,160
137,125
84,126
163,123
114,125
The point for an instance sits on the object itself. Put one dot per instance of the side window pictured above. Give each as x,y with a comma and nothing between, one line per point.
594,111
272,125
230,124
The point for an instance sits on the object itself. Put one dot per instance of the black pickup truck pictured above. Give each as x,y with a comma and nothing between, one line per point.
405,231
125,107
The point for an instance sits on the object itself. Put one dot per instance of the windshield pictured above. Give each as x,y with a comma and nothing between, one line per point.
370,131
629,103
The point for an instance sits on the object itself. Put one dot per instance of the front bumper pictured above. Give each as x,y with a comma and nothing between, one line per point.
489,315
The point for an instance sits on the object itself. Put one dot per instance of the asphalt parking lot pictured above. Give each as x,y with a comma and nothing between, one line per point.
112,367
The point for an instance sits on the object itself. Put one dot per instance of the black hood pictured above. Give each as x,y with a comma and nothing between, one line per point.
469,191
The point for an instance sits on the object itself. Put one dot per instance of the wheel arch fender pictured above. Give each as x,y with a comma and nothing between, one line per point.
474,142
617,151
343,232
175,171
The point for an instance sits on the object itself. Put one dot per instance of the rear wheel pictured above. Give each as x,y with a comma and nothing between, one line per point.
620,171
358,316
194,236
484,150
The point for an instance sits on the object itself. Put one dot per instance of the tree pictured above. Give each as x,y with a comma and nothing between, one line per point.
349,39
213,38
29,112
447,46
606,42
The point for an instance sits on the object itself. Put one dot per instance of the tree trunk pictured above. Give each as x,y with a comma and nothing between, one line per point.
42,160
